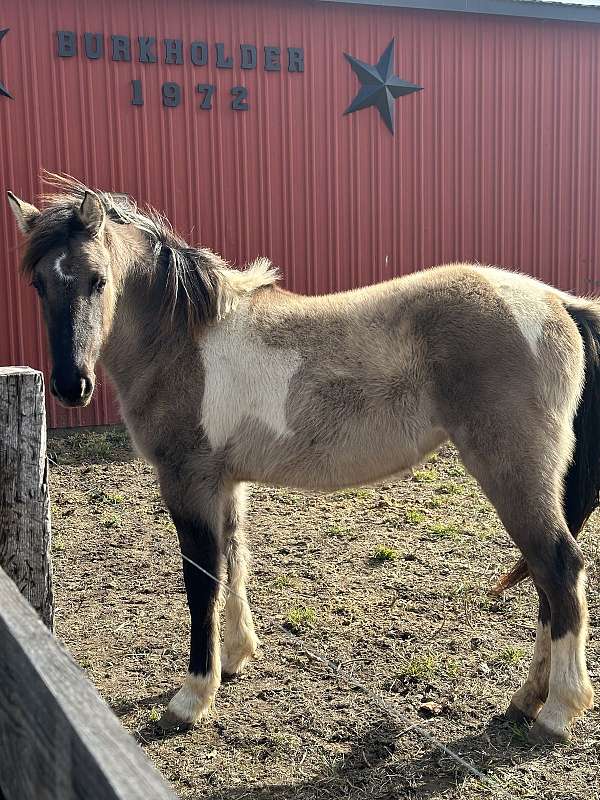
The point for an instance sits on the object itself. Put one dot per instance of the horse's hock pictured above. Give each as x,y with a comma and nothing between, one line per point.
24,501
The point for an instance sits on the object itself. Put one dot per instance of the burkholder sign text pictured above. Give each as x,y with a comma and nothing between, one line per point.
148,50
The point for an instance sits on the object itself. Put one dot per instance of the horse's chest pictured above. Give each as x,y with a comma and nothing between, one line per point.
244,380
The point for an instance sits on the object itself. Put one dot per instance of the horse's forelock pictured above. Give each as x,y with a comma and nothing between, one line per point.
53,229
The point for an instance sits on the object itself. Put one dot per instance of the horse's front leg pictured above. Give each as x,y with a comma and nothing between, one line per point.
200,540
240,640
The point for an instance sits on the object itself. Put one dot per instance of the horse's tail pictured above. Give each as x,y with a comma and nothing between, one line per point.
582,481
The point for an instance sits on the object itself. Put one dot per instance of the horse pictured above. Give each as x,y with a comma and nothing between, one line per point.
224,378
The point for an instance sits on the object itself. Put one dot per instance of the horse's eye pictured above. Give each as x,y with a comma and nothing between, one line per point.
98,284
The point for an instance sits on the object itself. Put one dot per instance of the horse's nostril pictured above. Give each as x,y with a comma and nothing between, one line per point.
87,387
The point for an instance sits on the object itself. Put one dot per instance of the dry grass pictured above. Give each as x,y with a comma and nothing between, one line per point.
418,626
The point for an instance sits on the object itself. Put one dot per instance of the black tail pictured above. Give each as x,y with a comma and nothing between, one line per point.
582,482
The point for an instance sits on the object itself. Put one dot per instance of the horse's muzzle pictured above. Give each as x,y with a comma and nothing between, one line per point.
73,393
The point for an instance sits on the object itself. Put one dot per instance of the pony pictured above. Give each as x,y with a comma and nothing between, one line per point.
224,378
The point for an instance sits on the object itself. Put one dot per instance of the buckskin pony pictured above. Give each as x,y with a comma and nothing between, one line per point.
225,378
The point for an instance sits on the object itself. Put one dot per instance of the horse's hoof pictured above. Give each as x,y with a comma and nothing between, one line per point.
171,722
539,734
514,714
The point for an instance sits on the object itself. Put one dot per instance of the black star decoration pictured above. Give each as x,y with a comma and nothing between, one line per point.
3,90
380,87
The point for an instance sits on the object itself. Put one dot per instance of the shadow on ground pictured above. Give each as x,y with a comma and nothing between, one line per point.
381,766
385,764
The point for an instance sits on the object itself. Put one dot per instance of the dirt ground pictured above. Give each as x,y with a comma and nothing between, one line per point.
390,581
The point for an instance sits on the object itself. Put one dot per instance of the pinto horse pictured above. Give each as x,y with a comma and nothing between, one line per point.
225,378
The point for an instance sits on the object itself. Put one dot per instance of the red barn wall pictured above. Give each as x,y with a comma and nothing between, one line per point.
497,159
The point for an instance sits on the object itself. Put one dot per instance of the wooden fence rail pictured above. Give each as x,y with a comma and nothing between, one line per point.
58,739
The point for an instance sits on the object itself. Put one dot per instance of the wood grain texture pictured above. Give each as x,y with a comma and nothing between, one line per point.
58,739
24,501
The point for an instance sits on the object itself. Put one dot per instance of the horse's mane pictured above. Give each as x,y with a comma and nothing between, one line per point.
197,281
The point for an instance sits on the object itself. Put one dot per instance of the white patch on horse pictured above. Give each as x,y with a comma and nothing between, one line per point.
527,302
57,267
244,379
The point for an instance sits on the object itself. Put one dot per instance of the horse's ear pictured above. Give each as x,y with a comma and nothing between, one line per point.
91,213
25,213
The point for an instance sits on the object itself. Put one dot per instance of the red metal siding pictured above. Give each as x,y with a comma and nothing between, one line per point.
496,160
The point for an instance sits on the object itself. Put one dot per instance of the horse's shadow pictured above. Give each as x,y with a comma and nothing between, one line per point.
370,770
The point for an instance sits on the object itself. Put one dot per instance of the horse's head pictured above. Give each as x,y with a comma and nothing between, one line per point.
68,261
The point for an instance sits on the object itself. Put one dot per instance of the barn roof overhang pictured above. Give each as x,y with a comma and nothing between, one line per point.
568,12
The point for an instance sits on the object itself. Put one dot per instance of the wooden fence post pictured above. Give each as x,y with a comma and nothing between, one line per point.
24,501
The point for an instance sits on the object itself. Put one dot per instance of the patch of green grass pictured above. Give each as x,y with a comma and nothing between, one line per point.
443,530
383,553
425,475
519,733
480,532
58,543
457,470
300,618
435,502
452,668
335,529
112,498
510,655
414,516
92,445
112,521
154,714
118,437
420,667
357,494
449,487
285,582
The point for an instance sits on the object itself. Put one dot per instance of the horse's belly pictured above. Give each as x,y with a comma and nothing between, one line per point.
369,455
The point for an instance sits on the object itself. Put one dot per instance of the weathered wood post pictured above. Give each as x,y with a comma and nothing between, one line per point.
24,501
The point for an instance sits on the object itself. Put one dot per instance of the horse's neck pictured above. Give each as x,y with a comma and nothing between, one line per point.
136,345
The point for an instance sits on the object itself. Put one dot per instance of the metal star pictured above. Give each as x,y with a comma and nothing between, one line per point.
3,90
380,87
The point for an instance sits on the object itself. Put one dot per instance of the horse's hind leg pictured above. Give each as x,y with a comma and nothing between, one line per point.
570,692
239,640
522,472
529,699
